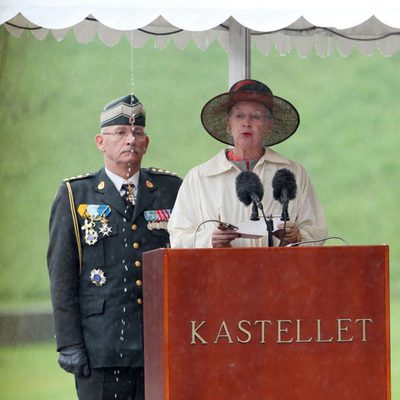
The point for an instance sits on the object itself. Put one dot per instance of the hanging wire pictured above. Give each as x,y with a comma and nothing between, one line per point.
25,28
330,30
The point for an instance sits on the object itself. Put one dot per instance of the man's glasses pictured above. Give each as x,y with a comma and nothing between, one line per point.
137,132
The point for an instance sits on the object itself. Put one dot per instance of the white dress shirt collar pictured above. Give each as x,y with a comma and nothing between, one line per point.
119,181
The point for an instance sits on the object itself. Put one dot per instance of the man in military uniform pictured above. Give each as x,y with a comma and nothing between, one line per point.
100,225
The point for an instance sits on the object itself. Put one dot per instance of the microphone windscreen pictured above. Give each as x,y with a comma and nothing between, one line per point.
248,184
284,179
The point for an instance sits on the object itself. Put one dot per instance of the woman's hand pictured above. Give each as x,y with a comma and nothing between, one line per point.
292,233
223,236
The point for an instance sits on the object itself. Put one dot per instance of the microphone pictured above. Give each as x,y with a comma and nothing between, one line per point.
284,188
249,188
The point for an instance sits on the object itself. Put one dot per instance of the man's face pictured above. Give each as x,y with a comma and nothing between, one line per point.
123,146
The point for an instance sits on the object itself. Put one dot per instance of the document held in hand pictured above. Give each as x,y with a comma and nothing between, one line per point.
255,229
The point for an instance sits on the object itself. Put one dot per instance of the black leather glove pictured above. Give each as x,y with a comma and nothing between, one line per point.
75,360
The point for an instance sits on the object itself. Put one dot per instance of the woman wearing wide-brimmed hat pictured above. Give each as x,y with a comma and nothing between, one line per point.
250,119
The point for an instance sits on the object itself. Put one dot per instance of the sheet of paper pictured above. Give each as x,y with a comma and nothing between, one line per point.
257,229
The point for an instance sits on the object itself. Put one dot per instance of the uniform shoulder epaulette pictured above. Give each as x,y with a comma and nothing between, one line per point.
159,171
74,178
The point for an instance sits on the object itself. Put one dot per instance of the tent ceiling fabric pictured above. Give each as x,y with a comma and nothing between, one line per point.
285,25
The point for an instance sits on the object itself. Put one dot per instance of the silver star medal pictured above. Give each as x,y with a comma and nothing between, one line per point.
97,277
105,228
90,234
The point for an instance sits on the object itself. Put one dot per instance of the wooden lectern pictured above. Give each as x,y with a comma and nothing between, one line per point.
267,323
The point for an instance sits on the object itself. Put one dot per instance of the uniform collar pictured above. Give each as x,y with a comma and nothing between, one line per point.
119,181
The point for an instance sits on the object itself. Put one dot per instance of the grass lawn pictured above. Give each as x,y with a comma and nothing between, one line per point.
32,373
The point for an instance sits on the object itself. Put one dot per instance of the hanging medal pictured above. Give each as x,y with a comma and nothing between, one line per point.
103,211
91,235
105,228
91,214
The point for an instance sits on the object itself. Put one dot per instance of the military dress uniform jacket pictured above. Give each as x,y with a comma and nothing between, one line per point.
106,317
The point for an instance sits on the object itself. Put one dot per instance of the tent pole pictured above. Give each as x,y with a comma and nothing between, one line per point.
239,52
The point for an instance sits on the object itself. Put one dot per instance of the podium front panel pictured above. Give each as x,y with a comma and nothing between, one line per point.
267,323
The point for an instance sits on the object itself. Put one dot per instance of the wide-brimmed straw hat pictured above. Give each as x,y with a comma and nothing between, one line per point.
285,117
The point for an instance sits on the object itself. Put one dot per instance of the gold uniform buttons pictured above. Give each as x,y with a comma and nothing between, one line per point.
139,282
136,245
134,227
139,301
138,264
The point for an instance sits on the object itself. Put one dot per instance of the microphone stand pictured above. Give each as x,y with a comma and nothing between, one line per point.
285,213
270,228
254,212
270,225
268,221
284,218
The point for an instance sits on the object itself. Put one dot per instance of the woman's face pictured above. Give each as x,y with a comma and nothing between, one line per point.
249,122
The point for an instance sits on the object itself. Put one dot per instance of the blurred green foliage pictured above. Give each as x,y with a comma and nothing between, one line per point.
51,94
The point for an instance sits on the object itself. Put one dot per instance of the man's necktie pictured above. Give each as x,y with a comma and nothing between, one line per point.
129,194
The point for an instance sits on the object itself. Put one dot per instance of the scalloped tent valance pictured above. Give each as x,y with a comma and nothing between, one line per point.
286,25
301,35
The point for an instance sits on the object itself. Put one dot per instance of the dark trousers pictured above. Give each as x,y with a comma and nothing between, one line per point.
111,384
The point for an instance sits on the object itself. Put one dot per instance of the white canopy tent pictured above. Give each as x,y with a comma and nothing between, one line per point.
368,26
